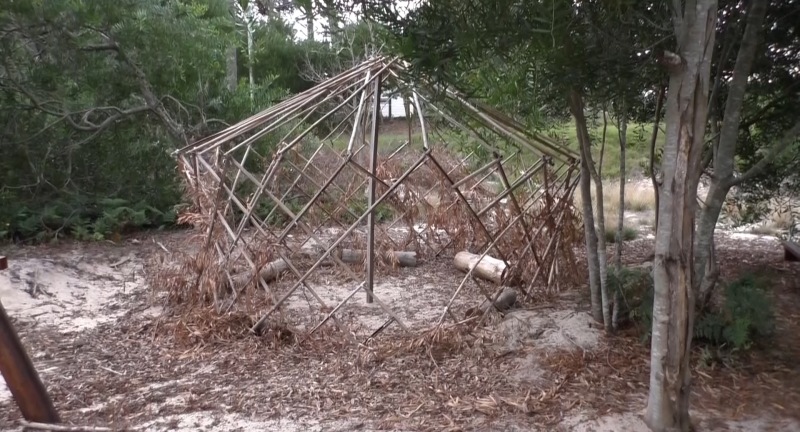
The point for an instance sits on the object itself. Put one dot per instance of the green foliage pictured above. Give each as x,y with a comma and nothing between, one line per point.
745,316
636,287
383,212
637,150
628,234
84,220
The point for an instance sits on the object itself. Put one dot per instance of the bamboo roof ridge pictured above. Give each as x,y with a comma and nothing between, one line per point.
306,184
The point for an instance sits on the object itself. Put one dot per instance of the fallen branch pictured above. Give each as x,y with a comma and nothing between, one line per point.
491,269
62,428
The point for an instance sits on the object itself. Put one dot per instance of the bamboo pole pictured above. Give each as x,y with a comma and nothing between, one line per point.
408,172
373,162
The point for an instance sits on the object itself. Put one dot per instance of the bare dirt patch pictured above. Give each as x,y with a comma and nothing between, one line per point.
110,357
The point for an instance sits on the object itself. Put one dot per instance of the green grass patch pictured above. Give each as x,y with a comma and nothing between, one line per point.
628,234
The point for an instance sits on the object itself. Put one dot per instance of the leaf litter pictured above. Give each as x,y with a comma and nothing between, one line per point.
144,371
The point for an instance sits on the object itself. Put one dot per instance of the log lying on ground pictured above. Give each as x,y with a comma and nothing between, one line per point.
504,302
269,272
791,251
399,258
490,269
358,256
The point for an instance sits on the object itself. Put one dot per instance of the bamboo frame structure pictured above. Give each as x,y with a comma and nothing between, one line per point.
292,183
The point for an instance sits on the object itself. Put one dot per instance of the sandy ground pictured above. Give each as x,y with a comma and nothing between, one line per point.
80,300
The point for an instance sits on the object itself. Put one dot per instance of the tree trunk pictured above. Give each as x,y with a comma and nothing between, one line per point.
250,31
653,142
723,180
231,67
592,256
310,23
623,143
673,270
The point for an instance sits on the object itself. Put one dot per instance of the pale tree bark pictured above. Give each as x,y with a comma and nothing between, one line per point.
231,66
231,69
248,19
673,270
595,240
622,127
246,16
653,141
706,272
310,23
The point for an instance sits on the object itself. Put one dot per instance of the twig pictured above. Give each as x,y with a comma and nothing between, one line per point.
161,245
62,428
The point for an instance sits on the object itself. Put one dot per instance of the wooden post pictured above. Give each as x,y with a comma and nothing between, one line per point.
373,164
20,375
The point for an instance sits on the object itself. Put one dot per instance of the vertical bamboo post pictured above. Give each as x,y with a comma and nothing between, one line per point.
20,375
373,164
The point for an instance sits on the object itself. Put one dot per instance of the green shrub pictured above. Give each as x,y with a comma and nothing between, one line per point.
628,234
636,287
745,316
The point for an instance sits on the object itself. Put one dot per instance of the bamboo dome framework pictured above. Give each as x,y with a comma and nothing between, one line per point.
309,183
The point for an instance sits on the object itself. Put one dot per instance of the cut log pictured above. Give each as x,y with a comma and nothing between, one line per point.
269,272
791,251
504,302
358,256
490,269
399,258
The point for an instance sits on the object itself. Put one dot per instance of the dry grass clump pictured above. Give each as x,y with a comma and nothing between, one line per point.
773,216
639,197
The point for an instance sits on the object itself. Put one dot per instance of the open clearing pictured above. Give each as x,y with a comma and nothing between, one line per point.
111,355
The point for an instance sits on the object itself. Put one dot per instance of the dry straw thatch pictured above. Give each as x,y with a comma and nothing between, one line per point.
294,186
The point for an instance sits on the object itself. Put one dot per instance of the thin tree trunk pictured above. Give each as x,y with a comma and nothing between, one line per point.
596,260
231,74
310,23
250,71
591,240
231,67
623,143
673,270
653,141
724,154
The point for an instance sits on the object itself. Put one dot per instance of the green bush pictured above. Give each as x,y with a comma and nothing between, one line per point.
628,234
636,287
745,315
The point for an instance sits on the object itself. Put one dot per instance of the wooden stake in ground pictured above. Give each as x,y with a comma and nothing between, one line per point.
488,268
20,375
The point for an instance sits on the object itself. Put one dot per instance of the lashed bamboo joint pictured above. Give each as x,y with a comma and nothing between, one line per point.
311,182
